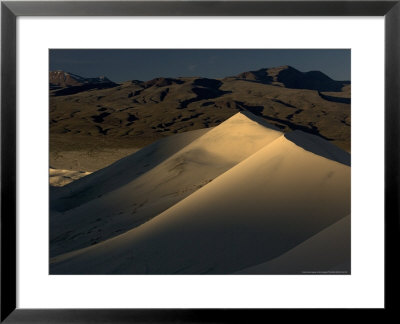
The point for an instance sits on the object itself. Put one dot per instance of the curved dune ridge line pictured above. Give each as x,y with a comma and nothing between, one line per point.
257,210
131,203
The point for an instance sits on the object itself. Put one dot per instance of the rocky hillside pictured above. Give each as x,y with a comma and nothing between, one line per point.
90,112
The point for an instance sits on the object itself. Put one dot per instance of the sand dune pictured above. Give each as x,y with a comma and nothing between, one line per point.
272,192
120,201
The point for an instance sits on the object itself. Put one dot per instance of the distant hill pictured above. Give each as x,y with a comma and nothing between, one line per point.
288,77
87,112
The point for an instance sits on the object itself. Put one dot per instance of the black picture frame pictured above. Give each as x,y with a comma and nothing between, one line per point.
10,10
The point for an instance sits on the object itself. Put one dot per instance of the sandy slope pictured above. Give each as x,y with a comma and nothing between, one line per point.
259,209
134,201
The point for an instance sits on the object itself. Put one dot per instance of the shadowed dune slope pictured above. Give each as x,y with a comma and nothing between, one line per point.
257,210
319,146
134,200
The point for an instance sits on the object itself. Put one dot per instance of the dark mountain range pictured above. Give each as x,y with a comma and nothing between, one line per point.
92,112
289,77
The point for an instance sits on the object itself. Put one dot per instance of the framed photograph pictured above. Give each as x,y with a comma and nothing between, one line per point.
191,161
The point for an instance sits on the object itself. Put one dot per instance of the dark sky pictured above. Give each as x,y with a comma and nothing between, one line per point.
128,64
